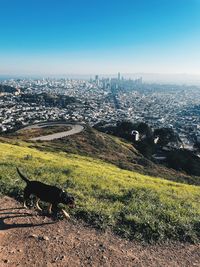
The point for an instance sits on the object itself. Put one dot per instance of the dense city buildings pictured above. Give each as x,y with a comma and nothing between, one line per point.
97,100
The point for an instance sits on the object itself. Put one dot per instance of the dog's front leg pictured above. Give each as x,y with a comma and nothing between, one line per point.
65,214
37,204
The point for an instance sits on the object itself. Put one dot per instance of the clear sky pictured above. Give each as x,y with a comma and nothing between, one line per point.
99,36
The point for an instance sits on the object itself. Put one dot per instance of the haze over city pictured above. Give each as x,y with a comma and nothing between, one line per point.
101,37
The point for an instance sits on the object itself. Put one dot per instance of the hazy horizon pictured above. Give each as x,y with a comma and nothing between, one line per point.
147,77
96,37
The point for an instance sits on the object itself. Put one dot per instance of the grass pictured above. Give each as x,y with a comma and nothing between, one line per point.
112,150
133,205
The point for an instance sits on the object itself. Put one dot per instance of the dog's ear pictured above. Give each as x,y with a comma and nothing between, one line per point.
66,184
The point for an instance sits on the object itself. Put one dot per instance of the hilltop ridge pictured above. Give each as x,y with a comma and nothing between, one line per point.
108,148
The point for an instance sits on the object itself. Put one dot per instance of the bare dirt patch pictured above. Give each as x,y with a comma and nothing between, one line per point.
31,239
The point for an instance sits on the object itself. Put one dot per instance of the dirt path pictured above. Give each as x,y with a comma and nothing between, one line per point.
75,128
29,239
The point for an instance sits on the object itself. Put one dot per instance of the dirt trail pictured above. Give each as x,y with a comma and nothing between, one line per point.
29,239
75,128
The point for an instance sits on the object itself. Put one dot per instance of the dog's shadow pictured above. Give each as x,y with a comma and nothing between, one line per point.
17,208
8,212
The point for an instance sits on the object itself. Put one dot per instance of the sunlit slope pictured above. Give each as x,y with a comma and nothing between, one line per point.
133,205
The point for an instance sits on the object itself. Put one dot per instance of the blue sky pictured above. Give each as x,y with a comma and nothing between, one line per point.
99,36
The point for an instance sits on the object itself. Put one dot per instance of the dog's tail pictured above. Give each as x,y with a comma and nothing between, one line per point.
22,176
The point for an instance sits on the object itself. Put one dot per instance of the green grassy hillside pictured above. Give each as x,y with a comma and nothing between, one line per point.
131,204
108,148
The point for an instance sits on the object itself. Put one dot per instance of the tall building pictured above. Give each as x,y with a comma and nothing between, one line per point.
119,77
97,79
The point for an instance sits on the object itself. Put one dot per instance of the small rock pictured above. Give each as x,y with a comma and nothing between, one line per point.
56,259
6,261
102,247
44,238
33,236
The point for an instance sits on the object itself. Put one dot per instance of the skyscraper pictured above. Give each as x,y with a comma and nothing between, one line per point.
119,76
97,79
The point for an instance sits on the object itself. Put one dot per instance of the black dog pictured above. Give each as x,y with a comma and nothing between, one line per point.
47,193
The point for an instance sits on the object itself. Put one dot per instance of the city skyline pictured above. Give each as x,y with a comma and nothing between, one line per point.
99,37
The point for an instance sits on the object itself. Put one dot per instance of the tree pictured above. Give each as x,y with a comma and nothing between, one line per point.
144,129
167,136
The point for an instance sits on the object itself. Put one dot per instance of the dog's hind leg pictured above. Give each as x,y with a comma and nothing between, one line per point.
27,194
24,204
37,204
49,208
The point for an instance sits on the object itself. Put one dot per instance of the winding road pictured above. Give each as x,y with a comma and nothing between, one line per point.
75,128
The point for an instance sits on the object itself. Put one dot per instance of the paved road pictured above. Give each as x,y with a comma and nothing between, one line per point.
75,128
